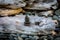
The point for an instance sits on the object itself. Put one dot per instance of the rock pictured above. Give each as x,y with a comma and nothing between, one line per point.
27,21
56,17
24,36
57,38
46,13
6,12
10,22
13,3
57,12
37,23
42,4
20,38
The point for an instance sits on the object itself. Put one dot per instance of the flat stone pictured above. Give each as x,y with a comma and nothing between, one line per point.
13,3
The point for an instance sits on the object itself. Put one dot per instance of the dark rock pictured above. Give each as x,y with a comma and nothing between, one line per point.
27,22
